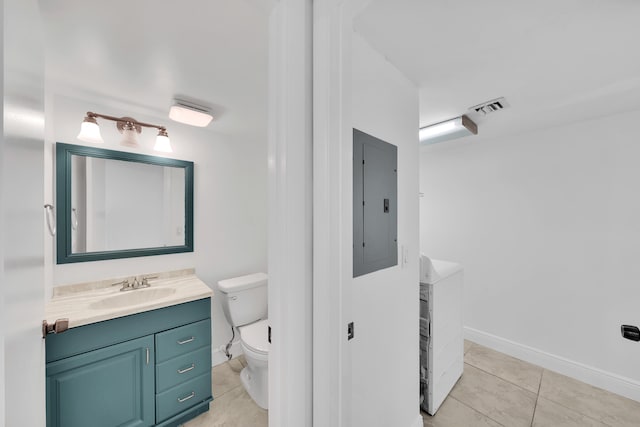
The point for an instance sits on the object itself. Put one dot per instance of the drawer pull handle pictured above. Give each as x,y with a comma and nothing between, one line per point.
186,341
184,399
182,371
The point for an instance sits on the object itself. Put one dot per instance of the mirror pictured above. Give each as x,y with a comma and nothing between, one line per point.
114,204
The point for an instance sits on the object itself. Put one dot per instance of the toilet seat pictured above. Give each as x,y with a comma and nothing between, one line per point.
255,336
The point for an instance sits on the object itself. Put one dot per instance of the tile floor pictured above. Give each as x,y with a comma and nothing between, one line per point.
499,390
231,406
495,390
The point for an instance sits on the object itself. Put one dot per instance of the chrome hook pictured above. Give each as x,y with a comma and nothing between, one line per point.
50,212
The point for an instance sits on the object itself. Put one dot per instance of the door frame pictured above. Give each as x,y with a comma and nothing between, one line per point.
22,216
332,206
310,211
289,222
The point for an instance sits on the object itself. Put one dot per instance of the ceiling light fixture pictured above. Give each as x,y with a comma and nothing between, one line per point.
189,113
127,126
449,129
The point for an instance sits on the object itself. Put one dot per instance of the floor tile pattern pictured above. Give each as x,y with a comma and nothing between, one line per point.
499,390
495,390
231,406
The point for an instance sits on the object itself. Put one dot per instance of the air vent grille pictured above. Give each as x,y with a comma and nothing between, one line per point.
490,106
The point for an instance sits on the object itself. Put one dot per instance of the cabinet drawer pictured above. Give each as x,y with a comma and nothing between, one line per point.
182,340
182,397
183,368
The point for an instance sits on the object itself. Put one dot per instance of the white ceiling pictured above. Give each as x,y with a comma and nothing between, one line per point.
555,61
141,53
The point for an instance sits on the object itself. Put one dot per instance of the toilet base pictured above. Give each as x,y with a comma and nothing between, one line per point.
256,386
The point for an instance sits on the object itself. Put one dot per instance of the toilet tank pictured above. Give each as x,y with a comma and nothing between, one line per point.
244,298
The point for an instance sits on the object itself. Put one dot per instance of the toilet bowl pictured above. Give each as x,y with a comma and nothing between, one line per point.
255,376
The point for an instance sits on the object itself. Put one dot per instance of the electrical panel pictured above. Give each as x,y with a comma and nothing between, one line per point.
375,204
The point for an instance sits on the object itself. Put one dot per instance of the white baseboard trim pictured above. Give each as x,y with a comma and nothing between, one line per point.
588,374
418,422
218,357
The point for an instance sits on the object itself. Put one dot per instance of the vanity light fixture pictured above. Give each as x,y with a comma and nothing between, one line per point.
128,127
90,131
190,113
162,142
449,129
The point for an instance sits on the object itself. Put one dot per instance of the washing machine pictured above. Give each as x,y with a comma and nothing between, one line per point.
441,335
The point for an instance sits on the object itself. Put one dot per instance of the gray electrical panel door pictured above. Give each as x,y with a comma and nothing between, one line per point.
375,216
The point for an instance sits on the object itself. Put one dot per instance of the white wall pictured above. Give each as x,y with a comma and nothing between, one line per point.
546,225
22,216
2,307
385,303
230,200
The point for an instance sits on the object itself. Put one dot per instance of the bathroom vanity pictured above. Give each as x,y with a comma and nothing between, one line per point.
135,358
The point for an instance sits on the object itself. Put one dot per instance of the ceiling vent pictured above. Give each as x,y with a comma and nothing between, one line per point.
490,106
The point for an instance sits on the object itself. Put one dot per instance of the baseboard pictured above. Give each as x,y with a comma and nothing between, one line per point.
588,374
418,422
218,357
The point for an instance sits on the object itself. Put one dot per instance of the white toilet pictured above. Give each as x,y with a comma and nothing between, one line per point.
244,301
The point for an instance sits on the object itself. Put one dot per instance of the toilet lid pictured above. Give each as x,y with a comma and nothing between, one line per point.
255,336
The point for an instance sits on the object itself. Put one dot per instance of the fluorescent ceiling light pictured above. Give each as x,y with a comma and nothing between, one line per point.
447,130
190,114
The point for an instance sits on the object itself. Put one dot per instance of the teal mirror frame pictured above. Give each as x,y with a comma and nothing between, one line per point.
64,254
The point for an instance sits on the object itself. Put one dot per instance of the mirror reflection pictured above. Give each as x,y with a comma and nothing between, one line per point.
119,205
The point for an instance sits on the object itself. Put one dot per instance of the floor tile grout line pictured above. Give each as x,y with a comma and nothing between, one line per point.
500,378
576,411
537,395
510,357
567,407
475,410
535,407
229,390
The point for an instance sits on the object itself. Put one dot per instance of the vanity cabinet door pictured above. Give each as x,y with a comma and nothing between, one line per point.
112,386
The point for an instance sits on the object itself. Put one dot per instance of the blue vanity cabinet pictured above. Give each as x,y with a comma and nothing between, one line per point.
142,370
183,369
112,386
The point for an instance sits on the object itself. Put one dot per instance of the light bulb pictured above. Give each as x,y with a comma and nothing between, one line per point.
90,131
162,142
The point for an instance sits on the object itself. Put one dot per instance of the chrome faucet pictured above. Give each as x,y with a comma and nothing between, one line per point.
136,283
126,286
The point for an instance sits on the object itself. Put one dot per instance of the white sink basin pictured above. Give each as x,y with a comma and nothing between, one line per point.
134,297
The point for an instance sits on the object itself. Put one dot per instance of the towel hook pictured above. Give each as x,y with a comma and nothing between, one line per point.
74,219
50,213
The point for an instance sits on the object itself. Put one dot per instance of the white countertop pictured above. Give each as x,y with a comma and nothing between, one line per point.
81,303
